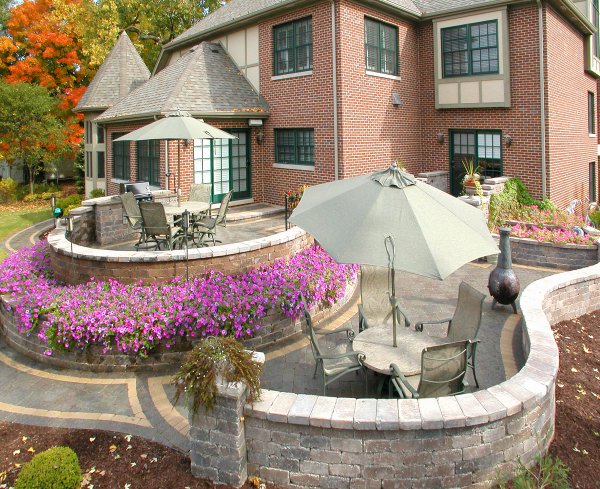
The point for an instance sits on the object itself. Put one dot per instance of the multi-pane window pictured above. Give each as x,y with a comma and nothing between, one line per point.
88,164
88,132
596,21
591,113
100,134
101,166
593,186
381,47
120,152
148,154
295,146
293,47
470,49
483,148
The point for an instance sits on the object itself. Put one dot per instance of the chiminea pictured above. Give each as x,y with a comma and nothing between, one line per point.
503,283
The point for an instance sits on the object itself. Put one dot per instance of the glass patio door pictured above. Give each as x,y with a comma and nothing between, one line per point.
225,163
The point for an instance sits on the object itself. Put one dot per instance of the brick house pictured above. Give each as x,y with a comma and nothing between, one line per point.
319,90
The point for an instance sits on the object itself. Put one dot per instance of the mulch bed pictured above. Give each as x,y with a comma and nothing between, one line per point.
577,438
114,460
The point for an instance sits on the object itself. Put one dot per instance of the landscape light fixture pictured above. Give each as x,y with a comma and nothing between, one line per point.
440,137
260,137
508,140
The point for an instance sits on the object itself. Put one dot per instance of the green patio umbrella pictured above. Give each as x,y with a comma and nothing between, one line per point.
390,219
178,126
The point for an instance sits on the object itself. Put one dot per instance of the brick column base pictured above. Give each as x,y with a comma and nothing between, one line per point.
218,438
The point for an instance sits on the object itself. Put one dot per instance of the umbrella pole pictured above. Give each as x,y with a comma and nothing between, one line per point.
394,318
178,171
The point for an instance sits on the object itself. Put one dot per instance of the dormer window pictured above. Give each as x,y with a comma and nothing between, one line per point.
470,49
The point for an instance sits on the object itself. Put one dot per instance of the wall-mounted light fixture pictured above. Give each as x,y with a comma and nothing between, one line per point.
260,137
508,140
255,122
396,100
440,137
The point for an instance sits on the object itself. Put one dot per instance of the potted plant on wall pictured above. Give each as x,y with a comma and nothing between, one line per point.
472,176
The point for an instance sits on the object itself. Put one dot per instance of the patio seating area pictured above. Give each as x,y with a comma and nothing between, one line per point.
290,367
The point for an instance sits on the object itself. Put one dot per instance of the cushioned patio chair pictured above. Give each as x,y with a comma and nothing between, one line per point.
337,363
133,216
443,370
206,228
156,227
376,304
465,323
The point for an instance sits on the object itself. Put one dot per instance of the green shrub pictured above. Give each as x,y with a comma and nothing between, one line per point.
506,205
97,192
40,188
8,190
32,197
55,468
70,201
595,218
549,473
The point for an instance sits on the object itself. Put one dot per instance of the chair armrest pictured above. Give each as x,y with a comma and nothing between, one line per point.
354,353
349,332
419,325
396,374
363,322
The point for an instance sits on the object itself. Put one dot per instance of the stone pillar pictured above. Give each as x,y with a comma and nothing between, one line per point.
84,231
218,437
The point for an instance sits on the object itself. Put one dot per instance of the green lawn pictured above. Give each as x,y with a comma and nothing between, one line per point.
11,221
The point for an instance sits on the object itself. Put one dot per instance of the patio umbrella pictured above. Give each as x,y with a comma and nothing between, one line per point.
390,219
178,126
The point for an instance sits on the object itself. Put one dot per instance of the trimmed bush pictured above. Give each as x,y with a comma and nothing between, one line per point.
97,192
8,190
55,468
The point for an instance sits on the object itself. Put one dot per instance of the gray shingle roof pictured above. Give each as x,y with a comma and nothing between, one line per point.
122,71
205,81
237,10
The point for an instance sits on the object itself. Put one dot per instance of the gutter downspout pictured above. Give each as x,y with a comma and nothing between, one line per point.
542,94
336,152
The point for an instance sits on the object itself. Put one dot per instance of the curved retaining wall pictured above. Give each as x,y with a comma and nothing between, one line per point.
83,263
470,440
563,256
274,327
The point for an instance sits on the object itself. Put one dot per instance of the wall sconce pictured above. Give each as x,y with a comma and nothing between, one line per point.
186,142
396,100
260,137
440,137
508,140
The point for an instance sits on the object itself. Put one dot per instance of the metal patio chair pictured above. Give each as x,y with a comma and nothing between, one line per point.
334,364
133,216
465,323
206,228
156,227
443,370
201,192
376,304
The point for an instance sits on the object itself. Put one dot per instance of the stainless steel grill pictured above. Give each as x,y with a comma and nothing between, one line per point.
141,190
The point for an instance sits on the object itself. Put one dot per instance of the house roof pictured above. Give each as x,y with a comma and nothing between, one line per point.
122,71
204,82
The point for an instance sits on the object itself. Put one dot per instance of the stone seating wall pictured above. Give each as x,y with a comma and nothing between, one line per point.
470,440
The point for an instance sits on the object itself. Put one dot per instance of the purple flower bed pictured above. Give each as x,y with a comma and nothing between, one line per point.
137,318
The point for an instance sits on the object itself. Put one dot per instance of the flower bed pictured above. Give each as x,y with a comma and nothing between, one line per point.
137,319
554,235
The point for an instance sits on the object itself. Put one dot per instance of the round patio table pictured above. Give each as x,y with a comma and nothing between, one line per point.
192,207
376,343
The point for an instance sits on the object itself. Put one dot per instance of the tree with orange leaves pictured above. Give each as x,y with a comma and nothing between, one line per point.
43,46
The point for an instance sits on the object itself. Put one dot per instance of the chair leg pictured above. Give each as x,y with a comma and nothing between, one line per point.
472,366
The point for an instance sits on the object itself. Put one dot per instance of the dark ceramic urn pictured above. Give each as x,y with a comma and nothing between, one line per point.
503,282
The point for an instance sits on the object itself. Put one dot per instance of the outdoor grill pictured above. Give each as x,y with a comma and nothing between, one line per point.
141,190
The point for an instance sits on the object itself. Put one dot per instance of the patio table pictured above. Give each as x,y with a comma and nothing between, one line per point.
376,343
192,207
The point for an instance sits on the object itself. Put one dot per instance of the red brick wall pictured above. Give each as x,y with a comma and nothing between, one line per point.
374,132
521,121
570,149
302,102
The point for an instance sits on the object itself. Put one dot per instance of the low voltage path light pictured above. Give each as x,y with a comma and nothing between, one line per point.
53,204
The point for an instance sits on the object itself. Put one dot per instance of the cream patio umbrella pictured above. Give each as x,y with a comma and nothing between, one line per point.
389,219
178,126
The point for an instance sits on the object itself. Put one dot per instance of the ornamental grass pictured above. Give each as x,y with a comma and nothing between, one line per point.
136,318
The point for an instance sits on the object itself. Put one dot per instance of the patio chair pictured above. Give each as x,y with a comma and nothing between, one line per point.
465,323
131,212
201,192
156,227
206,228
376,304
443,370
334,364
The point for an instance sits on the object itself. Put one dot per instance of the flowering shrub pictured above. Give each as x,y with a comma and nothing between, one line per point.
137,318
558,236
555,217
293,196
